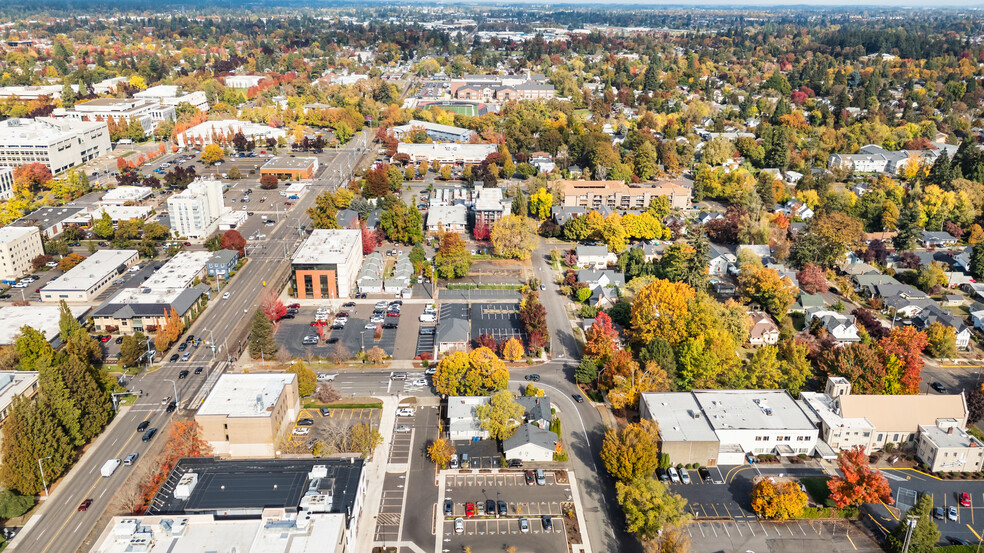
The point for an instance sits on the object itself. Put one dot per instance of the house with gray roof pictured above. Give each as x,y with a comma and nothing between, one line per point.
222,263
936,239
839,327
447,218
530,443
347,218
536,410
145,309
452,334
935,314
806,302
720,260
564,213
867,284
463,421
597,257
902,300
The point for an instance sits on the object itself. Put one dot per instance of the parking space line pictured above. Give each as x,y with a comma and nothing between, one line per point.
750,528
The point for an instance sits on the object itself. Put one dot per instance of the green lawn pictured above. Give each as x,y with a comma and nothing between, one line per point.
817,488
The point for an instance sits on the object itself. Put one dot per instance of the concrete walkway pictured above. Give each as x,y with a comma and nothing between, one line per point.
375,474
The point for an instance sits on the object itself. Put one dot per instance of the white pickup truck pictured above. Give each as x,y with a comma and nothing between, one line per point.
109,467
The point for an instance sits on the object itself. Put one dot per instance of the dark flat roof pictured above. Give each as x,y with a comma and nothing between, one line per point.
243,488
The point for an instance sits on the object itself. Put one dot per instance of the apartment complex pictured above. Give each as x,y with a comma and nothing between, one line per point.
122,110
18,246
502,88
6,182
327,264
59,144
209,131
195,211
615,194
88,279
246,414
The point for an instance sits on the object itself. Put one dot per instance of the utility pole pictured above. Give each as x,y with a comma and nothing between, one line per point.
910,522
41,468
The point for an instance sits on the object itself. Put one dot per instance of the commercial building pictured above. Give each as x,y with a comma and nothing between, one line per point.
742,422
180,271
15,384
18,246
489,206
872,158
327,264
146,309
615,194
502,88
122,110
195,211
222,263
59,144
291,168
446,153
447,218
51,221
123,195
6,182
945,447
171,95
43,318
88,279
209,131
847,420
436,132
33,92
246,414
119,213
243,82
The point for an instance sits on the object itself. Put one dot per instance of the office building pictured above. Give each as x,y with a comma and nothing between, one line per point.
51,221
88,279
245,415
195,211
243,82
18,246
446,153
40,317
122,110
171,95
123,195
6,182
207,132
327,264
146,309
180,271
290,168
436,132
945,447
59,144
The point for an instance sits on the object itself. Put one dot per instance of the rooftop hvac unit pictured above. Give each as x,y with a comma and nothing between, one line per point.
186,485
318,471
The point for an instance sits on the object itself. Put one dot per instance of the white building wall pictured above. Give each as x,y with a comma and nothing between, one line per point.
6,183
17,253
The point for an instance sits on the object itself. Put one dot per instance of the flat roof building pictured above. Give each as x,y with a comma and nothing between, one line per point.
684,433
180,271
51,221
18,246
40,317
119,213
59,144
945,447
14,384
171,95
327,264
126,194
195,211
447,153
291,168
615,194
6,182
205,133
436,132
246,414
89,278
145,111
146,309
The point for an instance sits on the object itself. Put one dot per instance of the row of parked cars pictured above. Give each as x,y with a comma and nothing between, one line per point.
680,475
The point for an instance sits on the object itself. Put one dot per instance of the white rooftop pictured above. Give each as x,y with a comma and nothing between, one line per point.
126,194
93,269
14,384
245,395
40,317
122,212
825,409
752,410
146,295
674,411
180,271
9,233
328,246
275,532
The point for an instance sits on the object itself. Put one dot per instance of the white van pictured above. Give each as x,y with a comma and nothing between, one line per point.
109,467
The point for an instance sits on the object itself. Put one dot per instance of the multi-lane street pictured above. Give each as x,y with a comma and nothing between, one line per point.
59,526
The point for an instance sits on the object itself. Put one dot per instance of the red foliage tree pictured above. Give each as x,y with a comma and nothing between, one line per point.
32,175
377,182
600,339
481,231
906,344
487,341
268,182
184,440
273,308
811,279
232,240
370,240
861,364
860,484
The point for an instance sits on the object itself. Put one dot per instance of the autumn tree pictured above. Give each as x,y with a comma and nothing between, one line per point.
600,340
476,373
30,177
859,483
778,500
365,439
660,310
69,261
924,536
452,257
212,153
902,349
514,236
233,240
942,341
827,238
307,380
811,279
326,393
268,181
375,355
501,415
440,452
169,331
765,287
540,204
649,507
631,452
512,350
272,307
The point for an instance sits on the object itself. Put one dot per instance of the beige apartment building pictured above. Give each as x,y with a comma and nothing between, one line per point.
615,194
947,448
246,414
18,246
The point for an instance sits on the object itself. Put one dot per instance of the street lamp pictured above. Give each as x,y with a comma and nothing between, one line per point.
175,385
41,468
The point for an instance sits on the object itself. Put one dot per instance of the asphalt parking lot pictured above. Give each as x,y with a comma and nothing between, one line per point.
399,342
326,427
483,454
488,533
472,295
501,320
799,535
29,293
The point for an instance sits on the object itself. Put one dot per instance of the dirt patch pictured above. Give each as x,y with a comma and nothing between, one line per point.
561,476
570,524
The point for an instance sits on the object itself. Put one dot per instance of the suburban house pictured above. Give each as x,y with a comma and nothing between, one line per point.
596,257
839,327
536,410
902,300
721,259
463,421
937,239
808,302
452,334
763,331
934,313
530,443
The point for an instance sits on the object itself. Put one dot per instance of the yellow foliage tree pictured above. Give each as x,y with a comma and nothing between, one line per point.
212,153
976,235
778,500
440,452
540,204
512,350
660,310
169,332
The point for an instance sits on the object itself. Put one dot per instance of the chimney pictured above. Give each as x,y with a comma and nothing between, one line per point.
949,430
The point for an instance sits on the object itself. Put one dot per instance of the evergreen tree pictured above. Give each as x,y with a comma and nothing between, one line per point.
82,381
651,80
924,536
519,206
776,145
977,261
782,108
62,403
941,173
695,272
261,341
908,228
32,432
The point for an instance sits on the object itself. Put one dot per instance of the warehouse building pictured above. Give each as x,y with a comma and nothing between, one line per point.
88,279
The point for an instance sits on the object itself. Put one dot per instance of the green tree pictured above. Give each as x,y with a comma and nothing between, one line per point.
103,227
519,204
632,452
908,227
32,433
13,505
926,533
659,207
649,507
261,340
60,399
452,258
501,415
82,380
132,349
33,349
307,381
977,261
324,211
942,341
586,371
401,223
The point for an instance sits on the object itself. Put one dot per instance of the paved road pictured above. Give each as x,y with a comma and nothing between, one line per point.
59,526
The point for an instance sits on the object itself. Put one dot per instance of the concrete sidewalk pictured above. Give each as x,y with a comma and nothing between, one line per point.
375,474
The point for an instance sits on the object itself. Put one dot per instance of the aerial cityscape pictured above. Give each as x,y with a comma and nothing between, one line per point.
344,277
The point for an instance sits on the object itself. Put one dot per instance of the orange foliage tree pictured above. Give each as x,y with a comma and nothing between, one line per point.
860,484
599,340
184,440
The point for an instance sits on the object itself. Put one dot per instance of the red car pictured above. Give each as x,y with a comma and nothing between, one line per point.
105,338
288,203
84,506
294,306
965,499
393,314
469,509
319,323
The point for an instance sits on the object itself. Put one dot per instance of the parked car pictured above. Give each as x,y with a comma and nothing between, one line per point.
448,507
490,507
541,479
459,525
469,509
952,513
305,422
663,476
530,478
405,412
547,522
454,461
674,477
402,428
198,370
938,513
301,431
684,476
524,525
503,509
